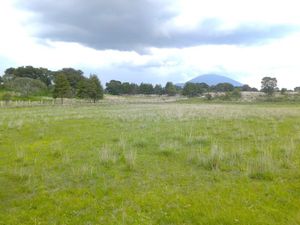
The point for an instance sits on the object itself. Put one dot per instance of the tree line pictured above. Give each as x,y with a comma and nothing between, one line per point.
72,83
115,87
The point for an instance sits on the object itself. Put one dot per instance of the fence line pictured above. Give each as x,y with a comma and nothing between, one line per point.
19,103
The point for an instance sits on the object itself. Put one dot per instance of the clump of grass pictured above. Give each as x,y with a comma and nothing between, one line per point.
140,143
288,155
214,160
210,161
65,158
122,143
235,160
130,159
82,172
20,156
191,141
107,156
217,159
20,175
262,168
18,124
166,152
168,149
41,134
194,157
56,149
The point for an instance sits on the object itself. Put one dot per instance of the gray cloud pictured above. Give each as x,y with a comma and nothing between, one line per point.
133,25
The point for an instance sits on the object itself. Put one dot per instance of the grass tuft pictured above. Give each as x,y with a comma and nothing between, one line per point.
213,160
288,155
107,156
262,168
130,159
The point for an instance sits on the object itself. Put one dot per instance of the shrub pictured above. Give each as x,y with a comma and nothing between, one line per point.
26,86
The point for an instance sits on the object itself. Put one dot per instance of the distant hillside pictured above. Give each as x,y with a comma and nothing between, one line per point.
213,79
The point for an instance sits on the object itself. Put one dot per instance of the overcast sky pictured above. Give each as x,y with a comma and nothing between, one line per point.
155,41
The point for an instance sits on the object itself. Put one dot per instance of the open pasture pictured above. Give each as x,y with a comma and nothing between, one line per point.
150,163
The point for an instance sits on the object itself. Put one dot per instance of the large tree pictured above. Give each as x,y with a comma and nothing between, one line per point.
194,89
129,88
82,88
170,89
224,87
62,87
146,89
114,87
95,89
268,85
42,74
158,89
246,87
74,77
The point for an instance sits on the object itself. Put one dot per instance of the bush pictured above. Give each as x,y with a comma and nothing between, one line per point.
26,86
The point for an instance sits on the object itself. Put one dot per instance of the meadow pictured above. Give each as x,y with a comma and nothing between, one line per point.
150,162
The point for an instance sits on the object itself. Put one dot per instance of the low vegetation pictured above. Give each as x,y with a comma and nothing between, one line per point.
150,161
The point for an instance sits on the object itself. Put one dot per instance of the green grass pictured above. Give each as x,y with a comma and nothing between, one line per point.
154,163
14,96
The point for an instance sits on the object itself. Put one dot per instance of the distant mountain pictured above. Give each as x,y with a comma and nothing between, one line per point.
213,79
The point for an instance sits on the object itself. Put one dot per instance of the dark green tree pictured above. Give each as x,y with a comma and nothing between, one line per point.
194,89
269,85
126,88
82,88
224,87
129,88
74,77
158,89
42,74
170,89
134,89
114,87
62,87
246,87
146,89
95,89
190,90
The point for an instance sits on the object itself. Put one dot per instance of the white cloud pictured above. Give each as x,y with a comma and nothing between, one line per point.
248,64
235,12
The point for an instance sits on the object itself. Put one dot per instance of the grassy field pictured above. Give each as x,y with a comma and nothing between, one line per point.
150,163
